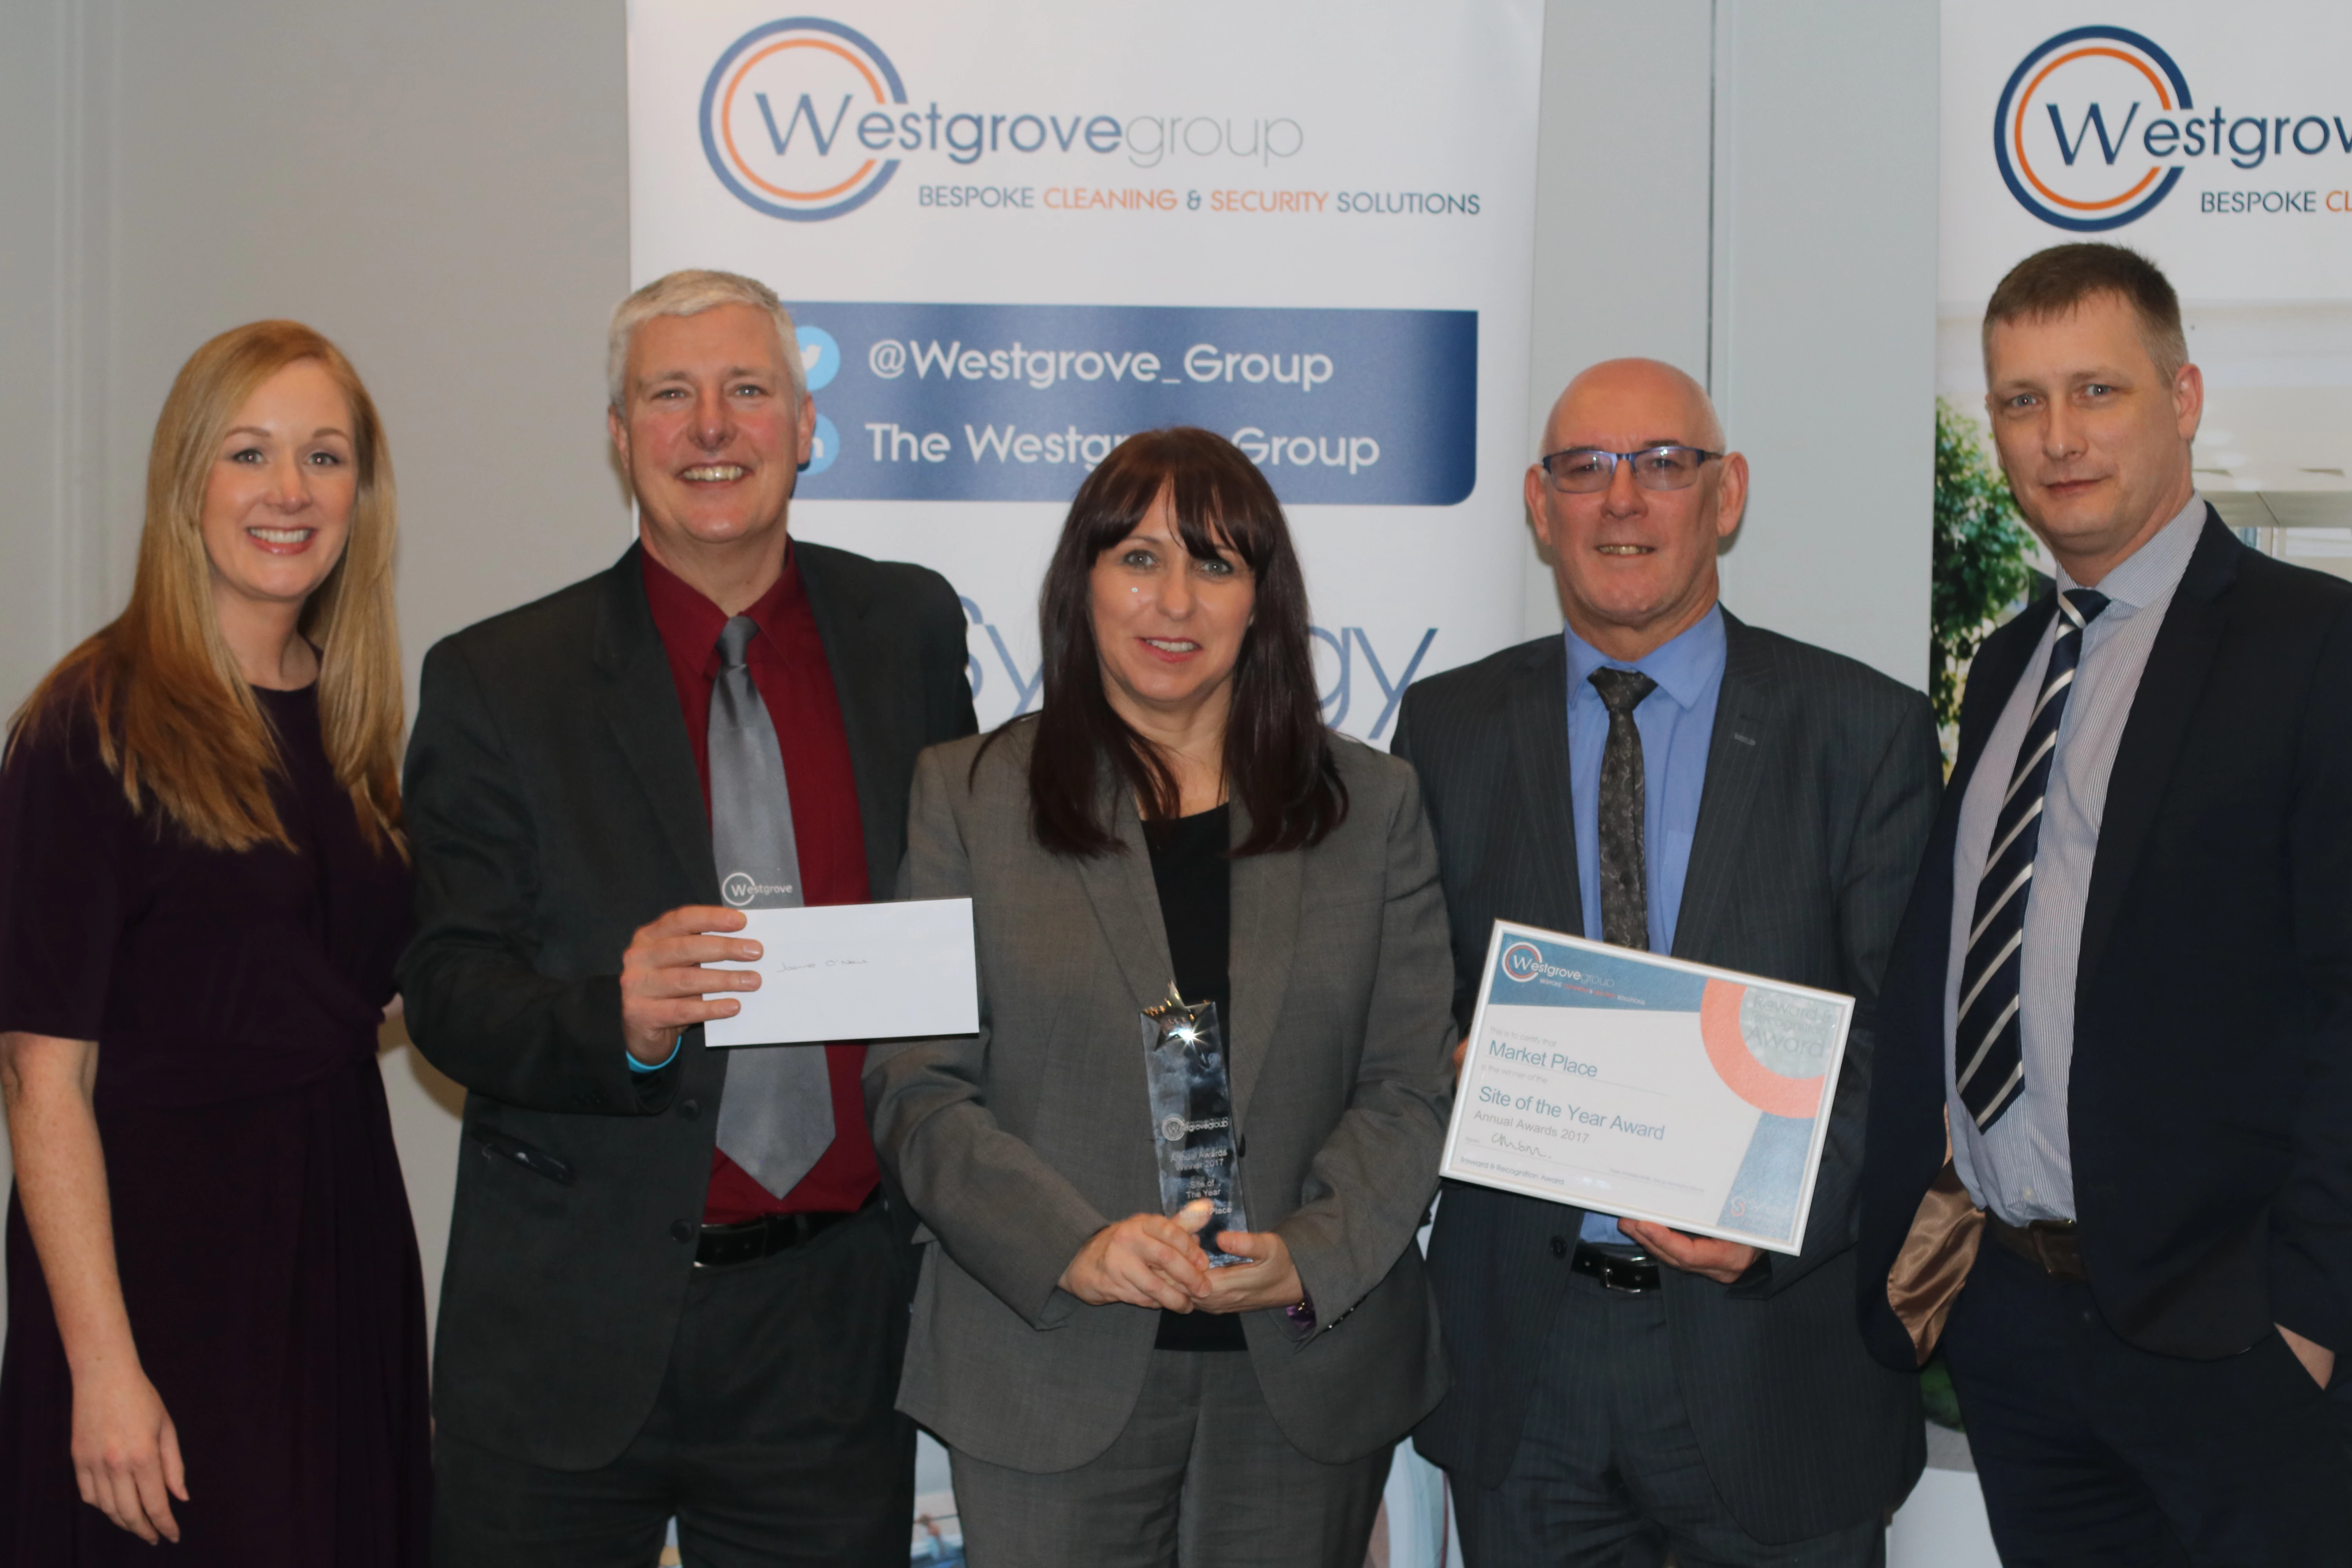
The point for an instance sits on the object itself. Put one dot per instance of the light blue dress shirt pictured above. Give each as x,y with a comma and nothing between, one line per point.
1676,723
2024,1170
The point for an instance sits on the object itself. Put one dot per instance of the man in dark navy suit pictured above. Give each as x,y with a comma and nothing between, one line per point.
1660,775
2124,983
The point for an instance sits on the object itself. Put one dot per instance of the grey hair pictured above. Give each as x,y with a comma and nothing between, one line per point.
689,294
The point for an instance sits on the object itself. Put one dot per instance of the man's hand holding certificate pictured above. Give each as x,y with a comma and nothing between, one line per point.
1647,1086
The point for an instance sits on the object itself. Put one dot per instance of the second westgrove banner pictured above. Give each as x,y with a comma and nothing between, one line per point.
1011,234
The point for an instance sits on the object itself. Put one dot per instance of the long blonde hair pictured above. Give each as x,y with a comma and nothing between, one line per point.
175,717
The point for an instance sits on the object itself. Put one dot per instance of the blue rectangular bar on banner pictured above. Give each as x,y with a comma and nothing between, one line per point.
931,402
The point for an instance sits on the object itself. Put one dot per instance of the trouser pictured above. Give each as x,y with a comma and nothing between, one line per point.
772,1440
1609,1472
1198,1477
2092,1451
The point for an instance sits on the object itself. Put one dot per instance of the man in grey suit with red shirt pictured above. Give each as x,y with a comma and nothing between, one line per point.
674,1286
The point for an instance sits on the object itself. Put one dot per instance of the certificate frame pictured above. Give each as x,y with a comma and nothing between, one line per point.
1585,1062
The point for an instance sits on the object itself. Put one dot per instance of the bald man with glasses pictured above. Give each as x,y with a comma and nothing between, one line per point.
1663,776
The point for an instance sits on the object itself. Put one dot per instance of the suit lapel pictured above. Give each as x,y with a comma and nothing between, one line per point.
2167,699
839,601
1999,664
1266,894
640,703
1127,905
1539,720
1267,891
1744,735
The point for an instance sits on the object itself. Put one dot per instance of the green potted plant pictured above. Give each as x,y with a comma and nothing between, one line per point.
1981,560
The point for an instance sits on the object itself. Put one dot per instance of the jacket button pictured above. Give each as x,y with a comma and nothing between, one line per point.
689,1108
681,1230
1560,1246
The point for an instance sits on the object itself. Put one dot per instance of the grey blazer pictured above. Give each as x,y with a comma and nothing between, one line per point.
1821,782
1016,1144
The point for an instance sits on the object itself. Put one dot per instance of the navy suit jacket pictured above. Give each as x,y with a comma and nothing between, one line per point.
1820,784
2211,1104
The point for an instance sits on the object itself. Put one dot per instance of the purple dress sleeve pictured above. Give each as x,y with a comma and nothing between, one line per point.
63,826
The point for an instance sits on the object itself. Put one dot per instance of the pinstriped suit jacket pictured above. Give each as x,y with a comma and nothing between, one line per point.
1821,782
1017,1144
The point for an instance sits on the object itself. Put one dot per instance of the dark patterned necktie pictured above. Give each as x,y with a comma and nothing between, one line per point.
1624,871
1988,1039
776,1116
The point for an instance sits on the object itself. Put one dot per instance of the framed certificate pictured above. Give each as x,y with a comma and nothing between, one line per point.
1647,1088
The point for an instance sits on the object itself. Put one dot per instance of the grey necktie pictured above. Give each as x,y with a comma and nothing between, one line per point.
776,1116
1624,870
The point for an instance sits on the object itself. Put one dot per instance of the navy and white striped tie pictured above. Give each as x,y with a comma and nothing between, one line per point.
1988,1048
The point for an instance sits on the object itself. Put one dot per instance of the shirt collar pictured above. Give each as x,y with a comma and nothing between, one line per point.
1683,666
2156,568
689,624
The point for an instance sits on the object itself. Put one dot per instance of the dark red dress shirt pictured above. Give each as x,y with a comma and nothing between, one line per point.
788,664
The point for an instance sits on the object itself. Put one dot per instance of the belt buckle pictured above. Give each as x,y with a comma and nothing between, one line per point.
2058,1248
1636,1276
1628,1276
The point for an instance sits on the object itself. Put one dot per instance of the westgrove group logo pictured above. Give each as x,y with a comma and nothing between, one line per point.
1523,962
2083,133
805,118
778,101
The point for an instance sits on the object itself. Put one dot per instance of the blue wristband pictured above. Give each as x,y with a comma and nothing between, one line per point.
674,1046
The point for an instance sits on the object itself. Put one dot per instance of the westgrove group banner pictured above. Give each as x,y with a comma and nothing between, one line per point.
2218,141
1011,235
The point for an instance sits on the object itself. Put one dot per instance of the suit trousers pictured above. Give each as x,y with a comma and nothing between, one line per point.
772,1440
2092,1451
1200,1477
1609,1472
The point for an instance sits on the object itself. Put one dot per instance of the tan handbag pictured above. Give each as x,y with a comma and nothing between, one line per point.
1936,1258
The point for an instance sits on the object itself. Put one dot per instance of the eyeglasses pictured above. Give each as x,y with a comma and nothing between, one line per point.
1583,470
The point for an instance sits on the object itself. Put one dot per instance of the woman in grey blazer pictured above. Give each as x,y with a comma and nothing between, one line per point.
1176,814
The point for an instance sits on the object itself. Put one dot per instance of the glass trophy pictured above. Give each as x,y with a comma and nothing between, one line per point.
1192,1115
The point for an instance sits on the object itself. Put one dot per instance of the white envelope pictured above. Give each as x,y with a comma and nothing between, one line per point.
856,972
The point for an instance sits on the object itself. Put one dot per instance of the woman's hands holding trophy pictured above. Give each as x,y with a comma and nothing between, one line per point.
1155,1260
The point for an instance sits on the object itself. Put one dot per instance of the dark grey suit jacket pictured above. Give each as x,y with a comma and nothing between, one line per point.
1822,780
1017,1144
553,805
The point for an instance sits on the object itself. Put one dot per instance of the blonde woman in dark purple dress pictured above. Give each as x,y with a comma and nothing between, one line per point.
215,1319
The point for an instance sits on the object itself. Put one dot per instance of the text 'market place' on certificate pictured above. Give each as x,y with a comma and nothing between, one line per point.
1647,1088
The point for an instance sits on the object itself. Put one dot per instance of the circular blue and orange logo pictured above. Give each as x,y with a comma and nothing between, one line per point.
1522,961
795,116
2071,134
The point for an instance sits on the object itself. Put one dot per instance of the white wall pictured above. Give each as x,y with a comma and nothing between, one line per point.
441,187
1746,189
1742,187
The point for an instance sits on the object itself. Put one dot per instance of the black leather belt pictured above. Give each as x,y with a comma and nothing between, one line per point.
2052,1245
1634,1276
724,1246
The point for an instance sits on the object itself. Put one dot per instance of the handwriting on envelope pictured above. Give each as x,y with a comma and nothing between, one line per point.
856,972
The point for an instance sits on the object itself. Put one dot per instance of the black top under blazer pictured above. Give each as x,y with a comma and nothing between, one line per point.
1821,777
554,807
2211,1105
